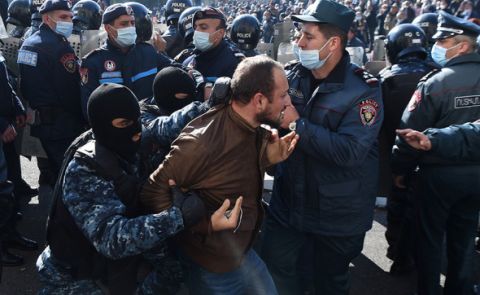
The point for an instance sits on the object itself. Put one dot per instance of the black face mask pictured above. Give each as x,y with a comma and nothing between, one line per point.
168,82
109,102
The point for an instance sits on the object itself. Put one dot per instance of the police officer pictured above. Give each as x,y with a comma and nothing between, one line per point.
356,48
447,193
405,47
49,81
87,15
245,33
95,228
36,18
325,192
18,18
428,23
186,31
120,60
213,57
173,10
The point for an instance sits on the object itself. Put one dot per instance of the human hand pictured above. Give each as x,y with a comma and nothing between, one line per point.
158,42
20,121
279,149
415,139
224,219
9,134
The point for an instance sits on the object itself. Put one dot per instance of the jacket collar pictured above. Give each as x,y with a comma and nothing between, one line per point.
466,58
46,28
336,79
111,47
239,121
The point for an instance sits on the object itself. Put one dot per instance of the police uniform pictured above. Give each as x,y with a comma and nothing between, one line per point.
135,68
448,191
324,193
49,81
95,225
219,61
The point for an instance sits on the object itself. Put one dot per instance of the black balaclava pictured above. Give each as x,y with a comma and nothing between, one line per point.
110,101
168,82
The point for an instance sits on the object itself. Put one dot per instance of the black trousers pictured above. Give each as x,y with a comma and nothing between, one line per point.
449,202
332,256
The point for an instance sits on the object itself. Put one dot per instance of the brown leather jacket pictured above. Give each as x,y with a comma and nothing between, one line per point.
220,156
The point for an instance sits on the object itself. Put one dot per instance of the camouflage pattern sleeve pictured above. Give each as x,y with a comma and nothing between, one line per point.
100,215
163,130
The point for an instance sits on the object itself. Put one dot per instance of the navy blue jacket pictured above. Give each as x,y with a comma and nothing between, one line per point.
329,183
10,104
456,142
135,69
220,61
49,78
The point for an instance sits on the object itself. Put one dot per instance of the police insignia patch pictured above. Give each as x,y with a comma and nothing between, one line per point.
110,65
414,101
84,75
69,62
368,111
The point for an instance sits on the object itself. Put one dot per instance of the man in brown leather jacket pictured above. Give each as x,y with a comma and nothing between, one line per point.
221,154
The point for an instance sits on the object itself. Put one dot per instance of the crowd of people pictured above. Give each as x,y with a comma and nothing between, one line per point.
157,144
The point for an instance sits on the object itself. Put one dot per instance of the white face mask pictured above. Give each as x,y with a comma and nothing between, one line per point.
126,36
201,41
63,28
310,59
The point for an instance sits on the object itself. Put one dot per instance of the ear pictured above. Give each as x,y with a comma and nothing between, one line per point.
110,31
335,43
259,101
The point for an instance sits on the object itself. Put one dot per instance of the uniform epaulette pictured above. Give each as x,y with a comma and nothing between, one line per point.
430,74
93,52
183,55
367,77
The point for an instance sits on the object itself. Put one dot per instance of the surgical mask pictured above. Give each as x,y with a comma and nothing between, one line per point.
296,51
310,59
63,28
126,36
201,41
439,54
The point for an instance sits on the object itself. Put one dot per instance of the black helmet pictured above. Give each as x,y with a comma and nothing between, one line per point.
87,15
245,31
428,23
19,13
174,8
185,23
143,21
405,39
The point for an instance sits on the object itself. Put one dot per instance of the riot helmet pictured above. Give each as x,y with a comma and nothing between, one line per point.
428,23
87,15
403,40
185,23
245,31
173,10
143,21
19,13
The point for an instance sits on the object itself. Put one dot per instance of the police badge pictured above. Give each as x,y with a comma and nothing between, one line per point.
69,62
368,112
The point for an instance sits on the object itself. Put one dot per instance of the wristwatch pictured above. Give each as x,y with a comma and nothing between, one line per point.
292,126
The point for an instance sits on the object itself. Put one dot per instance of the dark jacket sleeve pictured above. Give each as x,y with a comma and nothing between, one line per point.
10,104
457,142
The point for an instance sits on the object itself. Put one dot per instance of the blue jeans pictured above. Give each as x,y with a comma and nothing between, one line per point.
252,278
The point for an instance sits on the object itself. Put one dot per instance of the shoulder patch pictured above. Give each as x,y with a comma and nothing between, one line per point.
368,109
27,57
430,74
414,100
367,77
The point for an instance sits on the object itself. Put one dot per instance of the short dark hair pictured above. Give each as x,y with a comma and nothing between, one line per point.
329,31
253,75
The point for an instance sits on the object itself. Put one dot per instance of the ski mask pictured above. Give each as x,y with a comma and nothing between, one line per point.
168,82
110,101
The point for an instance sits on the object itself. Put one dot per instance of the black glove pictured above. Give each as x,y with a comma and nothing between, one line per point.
192,207
221,92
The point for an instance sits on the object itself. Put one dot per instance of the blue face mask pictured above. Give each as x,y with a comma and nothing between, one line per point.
311,59
439,54
126,36
64,28
201,41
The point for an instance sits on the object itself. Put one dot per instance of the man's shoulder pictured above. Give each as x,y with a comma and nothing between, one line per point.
366,79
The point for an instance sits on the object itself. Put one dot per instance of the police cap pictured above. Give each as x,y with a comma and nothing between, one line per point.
449,26
51,5
209,12
328,12
114,11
